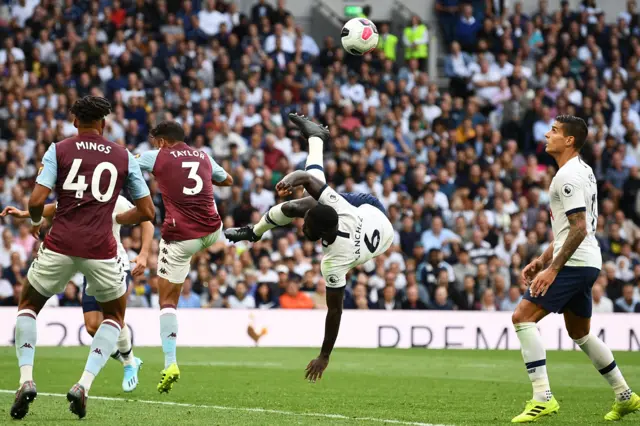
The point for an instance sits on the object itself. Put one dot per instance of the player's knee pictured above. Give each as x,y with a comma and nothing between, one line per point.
577,332
91,327
516,317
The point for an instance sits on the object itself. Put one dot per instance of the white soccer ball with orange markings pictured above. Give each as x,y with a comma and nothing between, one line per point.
359,36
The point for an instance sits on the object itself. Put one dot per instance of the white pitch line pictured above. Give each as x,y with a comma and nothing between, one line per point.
244,409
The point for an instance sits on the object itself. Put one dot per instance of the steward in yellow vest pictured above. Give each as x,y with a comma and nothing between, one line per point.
416,40
387,42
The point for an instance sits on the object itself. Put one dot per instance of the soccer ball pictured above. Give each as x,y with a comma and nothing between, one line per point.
359,36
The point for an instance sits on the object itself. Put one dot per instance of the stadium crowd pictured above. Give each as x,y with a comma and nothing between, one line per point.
461,169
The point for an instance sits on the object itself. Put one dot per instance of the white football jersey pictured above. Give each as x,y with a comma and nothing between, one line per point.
363,233
573,189
122,205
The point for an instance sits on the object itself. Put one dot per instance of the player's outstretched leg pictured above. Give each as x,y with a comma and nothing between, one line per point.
602,359
132,364
542,403
169,295
103,344
124,352
25,342
31,302
284,213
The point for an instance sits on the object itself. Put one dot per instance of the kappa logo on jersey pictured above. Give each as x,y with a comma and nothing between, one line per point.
333,279
567,190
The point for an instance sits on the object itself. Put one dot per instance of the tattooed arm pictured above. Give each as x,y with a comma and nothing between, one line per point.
577,233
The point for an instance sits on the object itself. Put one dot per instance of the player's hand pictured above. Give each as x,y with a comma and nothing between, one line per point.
542,282
35,231
531,270
12,211
141,265
315,368
284,188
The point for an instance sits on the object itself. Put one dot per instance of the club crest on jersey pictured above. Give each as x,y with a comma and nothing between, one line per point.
567,190
333,198
333,280
592,178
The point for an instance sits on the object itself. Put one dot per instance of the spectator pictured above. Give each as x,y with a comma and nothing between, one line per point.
241,299
416,41
412,302
441,301
70,296
14,298
478,249
514,296
466,28
387,42
438,237
319,297
446,11
601,303
9,246
188,299
388,300
213,297
488,301
627,302
294,298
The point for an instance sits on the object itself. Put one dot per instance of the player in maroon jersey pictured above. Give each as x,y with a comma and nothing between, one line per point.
186,177
87,173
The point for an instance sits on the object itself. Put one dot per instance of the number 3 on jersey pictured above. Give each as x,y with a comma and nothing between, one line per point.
193,175
80,185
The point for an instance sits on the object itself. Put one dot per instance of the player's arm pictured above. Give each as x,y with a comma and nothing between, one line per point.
572,196
141,259
335,298
48,212
219,176
144,209
45,182
577,234
547,255
313,185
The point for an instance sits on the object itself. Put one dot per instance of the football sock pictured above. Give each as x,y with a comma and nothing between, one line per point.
535,359
315,160
125,348
603,361
271,219
117,356
25,342
168,334
104,342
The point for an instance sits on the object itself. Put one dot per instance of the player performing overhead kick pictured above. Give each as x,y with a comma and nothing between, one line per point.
354,228
87,173
92,313
191,224
565,285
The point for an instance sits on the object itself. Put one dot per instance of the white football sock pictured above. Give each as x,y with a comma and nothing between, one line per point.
602,359
535,359
125,347
271,219
315,160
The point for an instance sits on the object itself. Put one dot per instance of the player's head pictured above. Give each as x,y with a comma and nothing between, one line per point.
320,222
567,132
167,133
90,113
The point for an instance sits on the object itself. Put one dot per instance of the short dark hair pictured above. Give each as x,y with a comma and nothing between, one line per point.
90,109
169,130
323,218
576,127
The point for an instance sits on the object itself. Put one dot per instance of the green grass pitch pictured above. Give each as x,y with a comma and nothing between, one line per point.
259,386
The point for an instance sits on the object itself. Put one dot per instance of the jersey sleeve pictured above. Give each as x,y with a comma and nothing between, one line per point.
122,205
331,198
147,160
218,174
571,194
334,275
135,183
48,174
